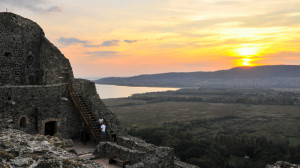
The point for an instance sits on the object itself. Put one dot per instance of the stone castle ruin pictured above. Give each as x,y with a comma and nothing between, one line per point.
39,95
34,81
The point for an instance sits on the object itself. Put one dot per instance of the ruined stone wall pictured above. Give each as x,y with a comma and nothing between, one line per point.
39,104
88,90
27,57
137,151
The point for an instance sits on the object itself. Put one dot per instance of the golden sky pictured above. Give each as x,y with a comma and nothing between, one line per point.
131,37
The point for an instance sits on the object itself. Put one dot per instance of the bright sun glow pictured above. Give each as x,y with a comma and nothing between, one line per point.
246,62
247,51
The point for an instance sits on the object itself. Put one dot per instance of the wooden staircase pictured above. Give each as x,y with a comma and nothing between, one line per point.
89,118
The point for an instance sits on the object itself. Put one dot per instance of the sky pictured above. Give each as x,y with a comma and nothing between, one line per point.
131,37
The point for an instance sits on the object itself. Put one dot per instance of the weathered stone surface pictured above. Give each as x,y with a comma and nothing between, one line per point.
109,149
39,104
282,164
18,149
135,143
137,151
136,165
68,142
27,57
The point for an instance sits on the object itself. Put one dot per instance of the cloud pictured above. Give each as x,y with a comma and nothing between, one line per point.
40,6
69,41
90,45
110,43
272,19
285,55
228,3
53,9
130,41
102,53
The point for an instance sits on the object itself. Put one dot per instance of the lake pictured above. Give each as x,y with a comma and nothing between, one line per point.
113,91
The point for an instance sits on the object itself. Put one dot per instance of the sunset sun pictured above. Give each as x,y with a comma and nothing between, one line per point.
246,54
246,62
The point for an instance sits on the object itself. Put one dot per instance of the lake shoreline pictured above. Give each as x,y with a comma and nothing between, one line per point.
106,91
133,85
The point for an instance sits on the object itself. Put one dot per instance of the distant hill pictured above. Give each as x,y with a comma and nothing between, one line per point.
258,76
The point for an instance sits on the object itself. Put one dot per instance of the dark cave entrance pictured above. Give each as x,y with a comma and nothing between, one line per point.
50,128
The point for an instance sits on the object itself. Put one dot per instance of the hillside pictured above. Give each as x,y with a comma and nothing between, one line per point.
259,76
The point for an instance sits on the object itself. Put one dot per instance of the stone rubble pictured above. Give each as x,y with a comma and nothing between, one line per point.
18,149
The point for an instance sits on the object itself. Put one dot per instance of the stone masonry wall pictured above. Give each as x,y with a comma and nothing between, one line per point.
27,57
40,104
110,149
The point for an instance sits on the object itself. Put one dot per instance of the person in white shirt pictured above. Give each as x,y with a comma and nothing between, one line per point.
103,128
101,120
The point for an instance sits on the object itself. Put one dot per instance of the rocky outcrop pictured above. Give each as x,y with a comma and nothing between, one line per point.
282,164
18,149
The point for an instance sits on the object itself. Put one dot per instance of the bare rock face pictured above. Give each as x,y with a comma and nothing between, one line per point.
27,57
18,149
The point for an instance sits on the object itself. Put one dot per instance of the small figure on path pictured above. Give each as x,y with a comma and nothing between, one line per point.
103,129
113,136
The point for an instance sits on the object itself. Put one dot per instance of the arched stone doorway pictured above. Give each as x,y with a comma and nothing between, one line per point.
50,128
23,122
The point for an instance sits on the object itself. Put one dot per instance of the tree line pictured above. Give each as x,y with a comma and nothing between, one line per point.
245,96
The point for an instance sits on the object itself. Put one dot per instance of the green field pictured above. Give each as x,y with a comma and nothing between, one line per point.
274,121
211,134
